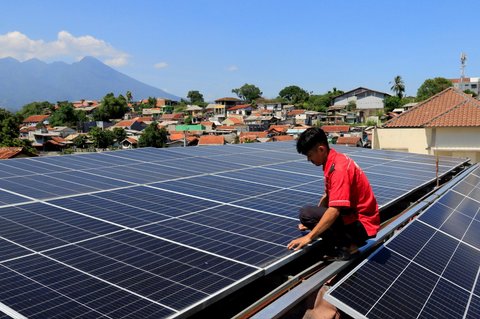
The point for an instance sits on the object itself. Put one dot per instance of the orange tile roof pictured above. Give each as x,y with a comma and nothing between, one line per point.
173,116
35,118
211,140
336,128
176,136
282,138
239,107
279,128
450,107
126,123
235,120
227,99
348,140
226,127
206,123
257,134
9,152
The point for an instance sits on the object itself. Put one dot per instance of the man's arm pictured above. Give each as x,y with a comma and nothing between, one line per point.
327,220
323,201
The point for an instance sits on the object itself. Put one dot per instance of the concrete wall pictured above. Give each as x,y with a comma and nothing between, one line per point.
369,102
412,140
448,141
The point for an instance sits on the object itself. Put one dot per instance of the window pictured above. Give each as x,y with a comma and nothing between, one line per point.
474,86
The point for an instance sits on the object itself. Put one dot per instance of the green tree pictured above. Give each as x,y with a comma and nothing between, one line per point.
195,97
248,92
101,138
36,108
65,115
153,136
129,96
111,107
152,101
119,133
468,91
80,141
294,94
431,87
398,87
392,102
9,127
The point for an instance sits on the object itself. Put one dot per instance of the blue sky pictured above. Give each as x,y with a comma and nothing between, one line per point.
214,46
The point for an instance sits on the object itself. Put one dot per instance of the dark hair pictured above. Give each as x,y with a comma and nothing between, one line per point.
309,138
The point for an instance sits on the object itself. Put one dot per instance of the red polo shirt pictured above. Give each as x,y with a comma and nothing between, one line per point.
347,187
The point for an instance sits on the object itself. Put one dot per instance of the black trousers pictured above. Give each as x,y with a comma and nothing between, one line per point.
338,234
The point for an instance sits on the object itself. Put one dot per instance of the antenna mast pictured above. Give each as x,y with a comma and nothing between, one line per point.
463,63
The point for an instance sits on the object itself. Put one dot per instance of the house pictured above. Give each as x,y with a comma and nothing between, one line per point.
240,109
182,139
247,137
33,120
211,140
216,110
155,112
178,117
88,106
63,131
194,111
447,124
134,125
209,126
233,120
14,152
367,102
278,129
276,107
129,142
349,141
472,84
56,144
283,138
259,122
228,101
196,129
336,129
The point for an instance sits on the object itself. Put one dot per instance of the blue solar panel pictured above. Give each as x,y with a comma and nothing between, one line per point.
153,233
429,270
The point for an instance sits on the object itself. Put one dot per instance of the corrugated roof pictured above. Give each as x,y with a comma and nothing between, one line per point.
450,107
9,152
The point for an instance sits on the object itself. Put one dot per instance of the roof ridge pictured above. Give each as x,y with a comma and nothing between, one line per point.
471,100
445,112
420,104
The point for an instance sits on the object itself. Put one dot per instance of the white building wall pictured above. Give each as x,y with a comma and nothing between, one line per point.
369,103
412,140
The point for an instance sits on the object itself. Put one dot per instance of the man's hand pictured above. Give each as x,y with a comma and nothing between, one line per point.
298,243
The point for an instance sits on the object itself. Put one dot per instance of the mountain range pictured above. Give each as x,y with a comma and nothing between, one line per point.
90,79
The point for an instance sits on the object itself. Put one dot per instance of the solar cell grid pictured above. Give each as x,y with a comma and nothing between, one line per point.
99,244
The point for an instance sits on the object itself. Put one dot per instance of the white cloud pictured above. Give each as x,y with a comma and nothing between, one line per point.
160,65
232,68
17,45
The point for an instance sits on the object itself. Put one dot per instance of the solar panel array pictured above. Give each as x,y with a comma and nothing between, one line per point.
429,270
153,233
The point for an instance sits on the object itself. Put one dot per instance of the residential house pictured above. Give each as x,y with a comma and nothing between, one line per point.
472,84
196,129
14,152
447,124
182,139
178,117
240,109
248,137
195,111
336,129
209,126
206,140
355,141
274,130
154,112
217,111
367,102
233,120
63,131
258,123
131,125
283,138
129,142
276,107
33,120
88,106
228,101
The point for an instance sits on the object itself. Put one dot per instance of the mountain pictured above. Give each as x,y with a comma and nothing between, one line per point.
33,80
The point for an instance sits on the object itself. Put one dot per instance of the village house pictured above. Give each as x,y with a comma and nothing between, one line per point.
240,109
131,125
207,140
447,124
367,102
354,141
195,111
33,120
14,152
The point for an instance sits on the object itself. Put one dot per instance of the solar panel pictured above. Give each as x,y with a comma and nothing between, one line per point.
154,233
429,270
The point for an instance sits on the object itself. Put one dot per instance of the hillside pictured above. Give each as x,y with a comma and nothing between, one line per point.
34,80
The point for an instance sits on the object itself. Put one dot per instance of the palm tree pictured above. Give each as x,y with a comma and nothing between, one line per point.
129,96
398,86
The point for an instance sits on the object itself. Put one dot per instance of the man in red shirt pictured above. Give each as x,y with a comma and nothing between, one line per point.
347,214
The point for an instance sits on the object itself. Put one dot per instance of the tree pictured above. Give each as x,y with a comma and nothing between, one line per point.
398,87
248,92
468,91
36,108
153,136
9,127
129,96
65,115
80,141
294,94
119,134
195,97
111,107
392,102
431,87
152,101
100,138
